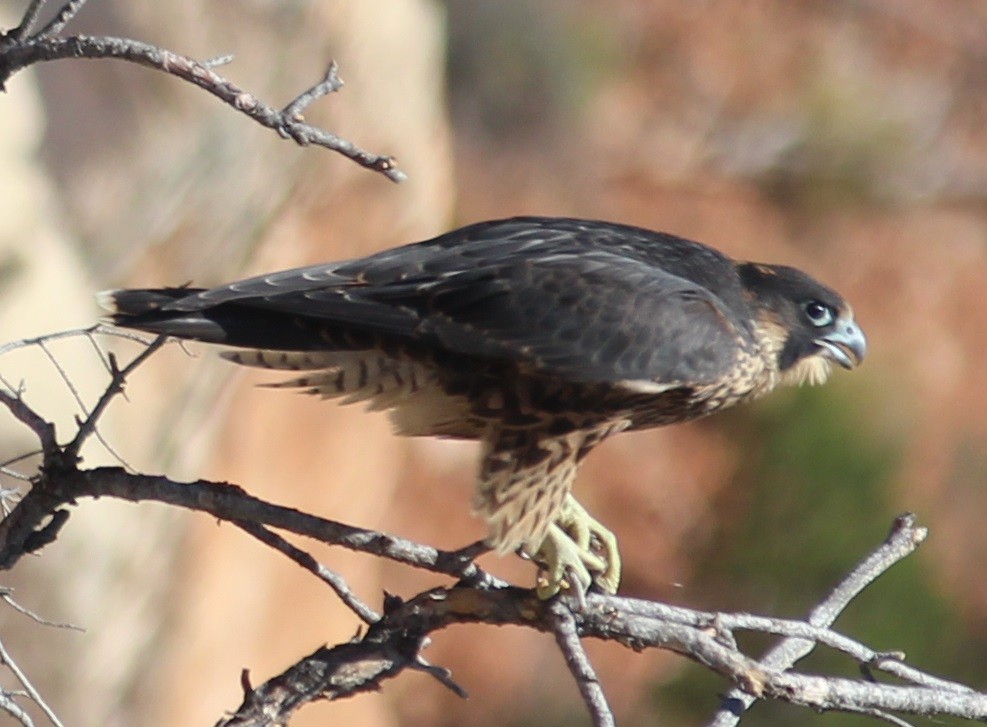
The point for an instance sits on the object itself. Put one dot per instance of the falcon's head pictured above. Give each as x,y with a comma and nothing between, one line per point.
805,324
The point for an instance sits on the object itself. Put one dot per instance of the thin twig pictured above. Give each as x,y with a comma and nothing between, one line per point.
364,612
19,33
330,83
9,496
28,687
43,430
115,387
101,354
567,637
217,61
8,598
107,362
102,329
79,400
8,705
61,19
42,49
88,332
903,539
881,715
725,623
43,345
441,674
90,428
5,465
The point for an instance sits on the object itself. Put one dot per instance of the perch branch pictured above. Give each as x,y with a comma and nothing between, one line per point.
395,638
224,501
384,652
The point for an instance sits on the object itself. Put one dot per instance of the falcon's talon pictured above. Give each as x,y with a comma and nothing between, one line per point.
565,565
589,535
538,336
580,595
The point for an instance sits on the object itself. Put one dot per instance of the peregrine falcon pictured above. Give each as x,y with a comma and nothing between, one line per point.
540,337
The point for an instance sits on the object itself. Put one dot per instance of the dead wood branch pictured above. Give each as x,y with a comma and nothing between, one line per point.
20,48
395,638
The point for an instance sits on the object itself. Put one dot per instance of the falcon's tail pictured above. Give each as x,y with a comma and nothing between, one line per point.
126,304
141,308
146,309
232,324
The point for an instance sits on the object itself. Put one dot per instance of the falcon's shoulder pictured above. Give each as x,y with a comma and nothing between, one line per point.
624,305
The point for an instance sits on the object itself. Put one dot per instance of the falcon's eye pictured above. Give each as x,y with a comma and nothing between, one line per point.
819,314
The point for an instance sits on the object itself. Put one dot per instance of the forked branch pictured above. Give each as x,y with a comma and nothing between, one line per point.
396,636
20,48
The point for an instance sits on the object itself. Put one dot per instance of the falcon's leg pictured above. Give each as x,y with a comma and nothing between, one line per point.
523,485
524,495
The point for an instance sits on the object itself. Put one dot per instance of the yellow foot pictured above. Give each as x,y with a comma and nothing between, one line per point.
577,552
564,565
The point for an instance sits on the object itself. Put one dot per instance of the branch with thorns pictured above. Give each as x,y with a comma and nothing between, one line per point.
24,46
395,637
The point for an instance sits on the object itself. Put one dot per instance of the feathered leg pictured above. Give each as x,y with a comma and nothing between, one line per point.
524,494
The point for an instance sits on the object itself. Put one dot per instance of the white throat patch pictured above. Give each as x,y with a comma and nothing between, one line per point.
812,370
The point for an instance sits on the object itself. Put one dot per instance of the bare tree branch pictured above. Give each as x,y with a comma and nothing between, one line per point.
64,16
385,651
306,561
44,430
76,394
395,638
66,484
27,22
21,677
903,539
5,595
117,378
329,84
567,637
90,333
8,705
19,49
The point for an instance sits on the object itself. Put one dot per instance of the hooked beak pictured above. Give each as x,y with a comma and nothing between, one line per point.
846,344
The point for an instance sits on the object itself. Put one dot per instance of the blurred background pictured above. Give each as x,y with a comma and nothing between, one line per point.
842,136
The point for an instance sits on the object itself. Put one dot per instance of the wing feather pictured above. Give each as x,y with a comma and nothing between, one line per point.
590,317
584,300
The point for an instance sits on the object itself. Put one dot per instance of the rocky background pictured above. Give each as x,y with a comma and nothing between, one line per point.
842,136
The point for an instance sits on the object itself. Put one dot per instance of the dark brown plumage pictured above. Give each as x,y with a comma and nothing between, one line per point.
540,337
